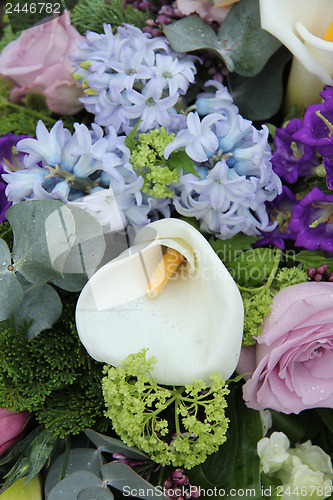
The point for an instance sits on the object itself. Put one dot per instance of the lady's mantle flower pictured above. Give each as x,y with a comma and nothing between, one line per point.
312,220
124,76
235,175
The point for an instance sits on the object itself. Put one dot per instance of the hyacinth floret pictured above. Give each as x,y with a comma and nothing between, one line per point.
236,178
123,74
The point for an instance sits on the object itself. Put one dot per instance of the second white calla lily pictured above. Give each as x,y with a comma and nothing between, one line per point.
301,25
193,327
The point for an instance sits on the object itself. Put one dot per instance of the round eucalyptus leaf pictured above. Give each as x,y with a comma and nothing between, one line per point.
11,294
112,445
80,459
70,487
243,39
94,493
5,258
28,219
125,479
40,303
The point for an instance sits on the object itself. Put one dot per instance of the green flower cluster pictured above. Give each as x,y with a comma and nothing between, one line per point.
148,160
178,427
257,303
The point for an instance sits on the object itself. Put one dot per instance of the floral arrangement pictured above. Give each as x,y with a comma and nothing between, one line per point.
166,239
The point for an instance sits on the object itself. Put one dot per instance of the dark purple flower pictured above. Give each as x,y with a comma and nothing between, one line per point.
279,210
312,220
7,142
328,164
327,93
292,158
317,129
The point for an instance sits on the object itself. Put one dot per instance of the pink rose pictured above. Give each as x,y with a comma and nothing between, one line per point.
295,352
37,63
11,427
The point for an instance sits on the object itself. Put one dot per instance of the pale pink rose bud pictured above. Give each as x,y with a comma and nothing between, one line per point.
11,427
37,63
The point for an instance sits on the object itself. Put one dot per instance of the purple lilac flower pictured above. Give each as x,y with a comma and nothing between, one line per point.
12,161
280,210
312,220
292,158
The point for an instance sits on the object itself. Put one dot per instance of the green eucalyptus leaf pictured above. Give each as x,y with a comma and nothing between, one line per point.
192,33
80,459
31,251
40,303
95,493
260,97
40,450
243,39
125,479
70,487
11,294
112,445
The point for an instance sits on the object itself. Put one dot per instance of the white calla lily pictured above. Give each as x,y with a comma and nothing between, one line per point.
301,25
193,327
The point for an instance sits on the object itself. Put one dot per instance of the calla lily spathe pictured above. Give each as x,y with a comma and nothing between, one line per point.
301,25
193,327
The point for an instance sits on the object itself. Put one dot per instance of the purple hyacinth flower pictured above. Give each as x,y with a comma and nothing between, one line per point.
292,159
7,142
317,129
279,210
312,220
328,164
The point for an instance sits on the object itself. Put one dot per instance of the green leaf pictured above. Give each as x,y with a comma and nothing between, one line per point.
95,493
313,258
122,477
40,303
19,448
80,459
229,249
246,43
37,102
192,33
246,473
179,160
11,293
31,251
111,445
327,416
291,425
260,97
130,140
41,448
69,488
252,267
